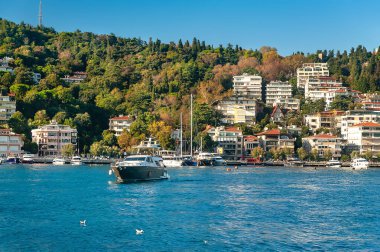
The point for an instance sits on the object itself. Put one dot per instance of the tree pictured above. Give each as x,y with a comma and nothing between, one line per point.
68,150
302,153
207,143
126,140
257,152
327,155
314,155
19,124
96,149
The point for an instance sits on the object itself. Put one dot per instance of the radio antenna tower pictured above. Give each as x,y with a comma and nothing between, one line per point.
40,15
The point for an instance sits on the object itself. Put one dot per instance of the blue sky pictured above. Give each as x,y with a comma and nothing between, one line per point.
292,25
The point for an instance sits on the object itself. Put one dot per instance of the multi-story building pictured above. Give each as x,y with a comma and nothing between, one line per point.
230,141
310,70
274,139
248,85
53,137
120,123
238,109
353,117
10,143
323,143
287,103
250,142
370,102
7,107
326,119
277,90
364,137
315,83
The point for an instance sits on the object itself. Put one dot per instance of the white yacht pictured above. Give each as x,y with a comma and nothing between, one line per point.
171,159
210,159
76,160
334,164
359,164
59,161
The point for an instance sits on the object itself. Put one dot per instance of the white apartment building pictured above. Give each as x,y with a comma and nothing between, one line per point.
53,137
230,141
238,109
287,103
353,117
370,102
10,143
314,83
248,85
326,119
278,90
120,123
364,137
323,143
7,107
309,70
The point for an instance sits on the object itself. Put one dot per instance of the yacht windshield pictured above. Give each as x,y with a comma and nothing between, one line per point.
135,159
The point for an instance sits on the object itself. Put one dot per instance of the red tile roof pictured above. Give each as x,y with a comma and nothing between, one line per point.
272,132
250,138
119,118
367,124
232,129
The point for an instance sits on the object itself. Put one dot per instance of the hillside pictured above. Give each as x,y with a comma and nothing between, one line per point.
149,80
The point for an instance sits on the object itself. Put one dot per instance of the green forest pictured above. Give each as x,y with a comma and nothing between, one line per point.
150,80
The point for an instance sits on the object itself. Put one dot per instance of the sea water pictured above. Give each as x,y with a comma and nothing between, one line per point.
197,209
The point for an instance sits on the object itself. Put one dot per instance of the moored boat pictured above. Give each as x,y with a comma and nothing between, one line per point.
210,159
59,161
76,160
359,164
12,160
333,164
27,159
294,162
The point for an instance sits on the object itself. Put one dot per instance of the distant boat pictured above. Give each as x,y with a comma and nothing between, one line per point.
294,162
76,160
334,164
359,164
59,161
12,160
27,159
210,159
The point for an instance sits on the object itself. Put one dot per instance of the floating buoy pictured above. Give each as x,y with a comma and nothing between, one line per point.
228,169
110,172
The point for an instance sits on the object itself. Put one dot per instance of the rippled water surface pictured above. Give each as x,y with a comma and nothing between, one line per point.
202,209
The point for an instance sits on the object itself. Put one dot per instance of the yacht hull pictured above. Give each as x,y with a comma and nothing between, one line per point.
125,174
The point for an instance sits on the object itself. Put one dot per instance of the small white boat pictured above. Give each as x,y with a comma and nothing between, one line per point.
334,164
359,164
27,159
59,161
76,160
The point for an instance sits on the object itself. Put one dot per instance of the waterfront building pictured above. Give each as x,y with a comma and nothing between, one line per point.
277,90
250,142
7,107
353,117
275,139
53,137
10,143
76,77
326,119
310,70
364,137
248,86
230,141
323,143
120,123
287,103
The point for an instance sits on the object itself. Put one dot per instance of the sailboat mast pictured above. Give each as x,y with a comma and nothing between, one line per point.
181,136
191,125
